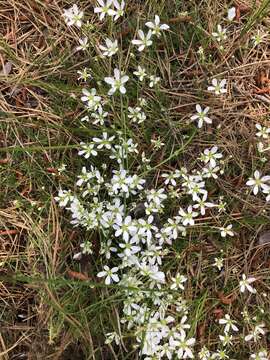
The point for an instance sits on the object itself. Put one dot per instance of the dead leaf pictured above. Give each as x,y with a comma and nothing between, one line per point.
52,170
182,18
201,331
25,191
226,299
19,175
244,8
77,275
264,238
218,313
265,90
9,232
238,14
4,161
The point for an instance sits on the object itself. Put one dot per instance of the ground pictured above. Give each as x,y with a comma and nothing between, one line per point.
54,307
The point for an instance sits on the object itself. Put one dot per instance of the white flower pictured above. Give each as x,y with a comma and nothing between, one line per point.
226,339
62,168
153,80
83,44
129,247
99,117
245,284
136,115
145,160
263,131
229,323
129,147
201,54
87,150
117,208
202,204
165,350
146,228
219,263
110,274
64,197
85,176
117,82
151,208
170,178
91,98
221,205
84,74
141,73
121,182
120,152
73,16
86,247
210,172
204,354
201,116
172,228
143,41
258,38
231,13
187,217
112,336
184,345
104,141
156,27
157,196
158,144
195,186
124,227
267,192
178,281
153,272
118,11
103,9
257,332
220,35
163,237
77,210
258,182
181,327
142,102
220,355
110,49
218,87
211,155
261,355
107,249
224,231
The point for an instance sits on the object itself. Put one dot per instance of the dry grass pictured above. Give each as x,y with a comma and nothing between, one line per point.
46,312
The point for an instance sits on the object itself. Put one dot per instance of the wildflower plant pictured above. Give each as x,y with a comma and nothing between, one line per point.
132,218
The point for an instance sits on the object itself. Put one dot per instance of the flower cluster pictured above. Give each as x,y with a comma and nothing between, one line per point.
136,229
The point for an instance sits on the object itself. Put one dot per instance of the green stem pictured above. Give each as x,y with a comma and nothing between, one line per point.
174,155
